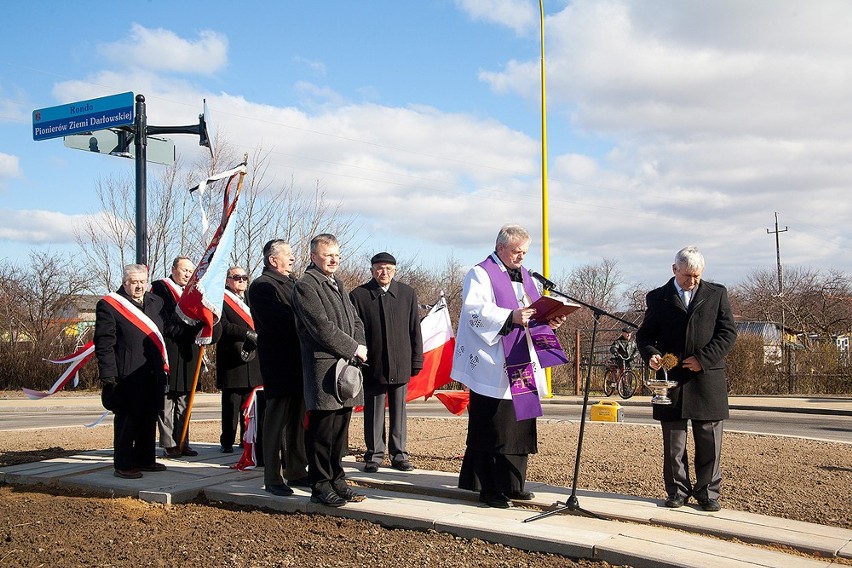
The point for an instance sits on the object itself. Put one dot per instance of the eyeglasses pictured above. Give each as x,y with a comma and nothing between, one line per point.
239,277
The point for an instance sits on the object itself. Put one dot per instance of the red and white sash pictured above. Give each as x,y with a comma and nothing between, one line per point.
138,318
236,303
172,287
249,458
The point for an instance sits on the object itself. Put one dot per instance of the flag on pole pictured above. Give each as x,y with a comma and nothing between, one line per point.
249,458
439,342
75,361
203,295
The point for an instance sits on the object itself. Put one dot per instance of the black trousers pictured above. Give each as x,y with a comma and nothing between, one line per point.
134,440
327,441
232,404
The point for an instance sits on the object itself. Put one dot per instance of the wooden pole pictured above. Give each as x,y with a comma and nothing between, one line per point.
191,398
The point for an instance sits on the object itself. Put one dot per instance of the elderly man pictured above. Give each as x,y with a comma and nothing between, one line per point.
391,316
281,368
237,367
183,358
330,331
133,368
692,320
501,359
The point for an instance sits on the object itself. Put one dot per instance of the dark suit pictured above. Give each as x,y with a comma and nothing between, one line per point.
395,347
183,360
126,354
281,368
706,331
234,377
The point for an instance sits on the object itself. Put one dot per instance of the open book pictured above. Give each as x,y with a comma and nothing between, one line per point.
549,307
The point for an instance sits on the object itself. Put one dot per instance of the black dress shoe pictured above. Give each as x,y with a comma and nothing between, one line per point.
403,465
349,496
497,500
675,501
227,449
281,490
187,451
173,452
301,482
371,467
330,499
127,473
153,467
711,505
521,495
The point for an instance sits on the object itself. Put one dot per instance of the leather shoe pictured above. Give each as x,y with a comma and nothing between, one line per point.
371,467
153,467
301,482
349,496
403,465
330,499
173,452
675,501
281,490
127,473
227,449
187,451
711,505
497,500
521,495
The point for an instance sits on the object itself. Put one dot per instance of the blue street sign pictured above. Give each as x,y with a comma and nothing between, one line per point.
83,116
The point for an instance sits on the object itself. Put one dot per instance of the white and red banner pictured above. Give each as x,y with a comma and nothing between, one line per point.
203,295
439,342
74,361
249,458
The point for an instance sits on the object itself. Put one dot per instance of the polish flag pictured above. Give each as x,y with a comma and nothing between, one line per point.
438,346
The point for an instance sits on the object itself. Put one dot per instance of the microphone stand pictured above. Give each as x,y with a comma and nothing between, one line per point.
572,503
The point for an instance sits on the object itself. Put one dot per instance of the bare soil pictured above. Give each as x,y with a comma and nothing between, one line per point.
786,477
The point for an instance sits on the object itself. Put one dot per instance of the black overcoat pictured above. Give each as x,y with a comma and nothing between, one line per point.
277,340
180,342
330,329
232,372
392,327
707,331
126,353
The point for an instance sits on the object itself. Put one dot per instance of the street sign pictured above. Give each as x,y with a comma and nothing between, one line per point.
120,143
83,116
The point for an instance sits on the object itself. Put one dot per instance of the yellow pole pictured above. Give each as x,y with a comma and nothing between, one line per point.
545,258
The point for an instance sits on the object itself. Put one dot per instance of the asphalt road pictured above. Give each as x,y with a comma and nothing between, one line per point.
836,428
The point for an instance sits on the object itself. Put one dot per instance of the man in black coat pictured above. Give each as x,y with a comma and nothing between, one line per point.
391,316
691,320
183,358
237,366
133,368
281,369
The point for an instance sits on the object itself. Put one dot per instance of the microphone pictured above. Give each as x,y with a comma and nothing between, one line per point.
545,283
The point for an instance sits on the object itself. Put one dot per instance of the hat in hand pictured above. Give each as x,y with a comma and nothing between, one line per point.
383,258
348,381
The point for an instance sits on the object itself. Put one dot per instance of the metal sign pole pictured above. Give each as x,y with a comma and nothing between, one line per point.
140,140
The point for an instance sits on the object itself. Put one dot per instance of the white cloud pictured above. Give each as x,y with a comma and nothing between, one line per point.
9,167
37,226
163,50
519,15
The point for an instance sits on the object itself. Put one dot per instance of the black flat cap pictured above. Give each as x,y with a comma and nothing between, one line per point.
383,258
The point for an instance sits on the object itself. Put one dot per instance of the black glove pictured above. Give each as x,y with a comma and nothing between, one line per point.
108,381
251,335
416,371
108,398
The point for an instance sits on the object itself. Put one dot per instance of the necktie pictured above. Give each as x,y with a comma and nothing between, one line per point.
686,298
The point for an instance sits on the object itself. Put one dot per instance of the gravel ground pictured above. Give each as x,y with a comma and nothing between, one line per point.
785,477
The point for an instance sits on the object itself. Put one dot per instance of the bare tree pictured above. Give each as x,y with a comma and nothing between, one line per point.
595,284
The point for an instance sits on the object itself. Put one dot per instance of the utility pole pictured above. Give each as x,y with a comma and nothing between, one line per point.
777,232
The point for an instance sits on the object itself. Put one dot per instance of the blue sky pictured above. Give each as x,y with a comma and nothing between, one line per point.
669,123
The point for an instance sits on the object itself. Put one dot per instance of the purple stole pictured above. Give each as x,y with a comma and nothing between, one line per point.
518,364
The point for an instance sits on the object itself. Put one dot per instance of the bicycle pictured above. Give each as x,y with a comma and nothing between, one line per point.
621,378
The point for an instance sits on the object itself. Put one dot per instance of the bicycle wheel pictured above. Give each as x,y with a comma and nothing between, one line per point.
627,383
609,382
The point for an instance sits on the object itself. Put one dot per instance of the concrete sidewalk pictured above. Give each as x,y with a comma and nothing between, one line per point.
635,531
